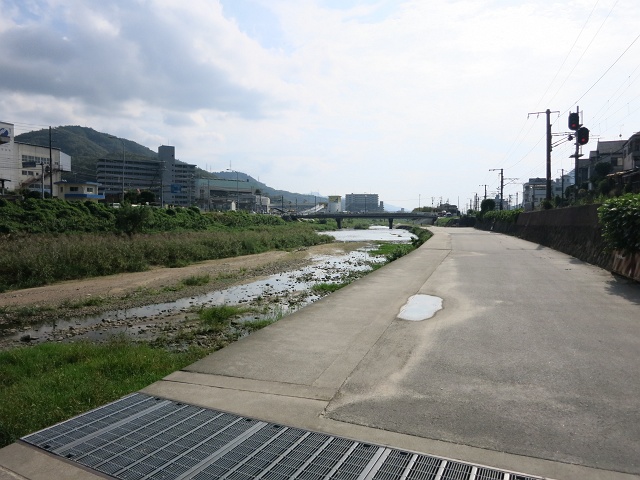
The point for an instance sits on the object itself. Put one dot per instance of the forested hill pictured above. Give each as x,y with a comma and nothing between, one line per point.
85,146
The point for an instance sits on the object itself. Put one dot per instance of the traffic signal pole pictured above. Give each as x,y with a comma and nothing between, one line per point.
577,156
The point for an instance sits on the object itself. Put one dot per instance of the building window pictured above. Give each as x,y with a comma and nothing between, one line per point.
89,189
24,172
73,189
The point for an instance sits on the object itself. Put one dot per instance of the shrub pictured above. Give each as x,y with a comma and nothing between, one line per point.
620,221
506,216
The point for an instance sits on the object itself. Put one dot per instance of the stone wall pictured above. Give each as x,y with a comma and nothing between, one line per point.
574,231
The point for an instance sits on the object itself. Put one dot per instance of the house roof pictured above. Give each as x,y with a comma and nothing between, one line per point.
609,147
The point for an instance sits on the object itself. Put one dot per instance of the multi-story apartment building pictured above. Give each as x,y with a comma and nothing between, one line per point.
534,192
362,202
171,180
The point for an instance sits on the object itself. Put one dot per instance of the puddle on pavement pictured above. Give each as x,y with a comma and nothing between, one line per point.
283,293
420,307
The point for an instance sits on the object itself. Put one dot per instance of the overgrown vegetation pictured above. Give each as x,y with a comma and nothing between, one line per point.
29,260
393,251
506,216
61,217
446,221
620,220
48,383
325,288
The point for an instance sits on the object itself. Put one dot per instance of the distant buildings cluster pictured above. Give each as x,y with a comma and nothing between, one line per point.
173,182
623,156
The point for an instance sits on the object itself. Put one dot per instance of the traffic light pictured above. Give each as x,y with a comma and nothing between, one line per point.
583,135
574,121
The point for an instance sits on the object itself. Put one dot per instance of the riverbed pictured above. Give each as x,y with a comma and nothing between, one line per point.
265,297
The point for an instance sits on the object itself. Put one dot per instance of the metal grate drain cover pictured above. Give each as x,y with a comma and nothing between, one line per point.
144,437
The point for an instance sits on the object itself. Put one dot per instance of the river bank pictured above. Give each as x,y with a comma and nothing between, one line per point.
165,306
23,313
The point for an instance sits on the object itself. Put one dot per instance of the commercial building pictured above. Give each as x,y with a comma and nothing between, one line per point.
33,167
363,202
230,194
79,191
172,181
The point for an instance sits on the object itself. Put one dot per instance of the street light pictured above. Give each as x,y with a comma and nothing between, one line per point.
123,162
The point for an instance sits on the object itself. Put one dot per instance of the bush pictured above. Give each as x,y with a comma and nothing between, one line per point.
506,216
620,221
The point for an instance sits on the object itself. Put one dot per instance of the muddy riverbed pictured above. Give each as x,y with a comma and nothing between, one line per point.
164,302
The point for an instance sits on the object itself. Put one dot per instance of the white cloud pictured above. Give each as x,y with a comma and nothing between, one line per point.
400,98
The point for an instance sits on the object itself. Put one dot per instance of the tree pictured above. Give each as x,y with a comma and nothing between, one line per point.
487,205
130,220
600,171
147,196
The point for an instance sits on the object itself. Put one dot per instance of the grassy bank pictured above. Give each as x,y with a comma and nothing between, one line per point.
36,260
50,382
45,385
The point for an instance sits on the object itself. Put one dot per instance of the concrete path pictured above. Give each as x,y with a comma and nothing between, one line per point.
531,366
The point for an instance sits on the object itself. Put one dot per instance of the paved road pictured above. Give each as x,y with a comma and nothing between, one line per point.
531,366
535,353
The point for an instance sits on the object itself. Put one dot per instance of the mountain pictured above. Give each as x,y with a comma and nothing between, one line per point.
86,145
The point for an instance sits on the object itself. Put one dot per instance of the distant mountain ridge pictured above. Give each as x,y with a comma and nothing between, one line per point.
86,145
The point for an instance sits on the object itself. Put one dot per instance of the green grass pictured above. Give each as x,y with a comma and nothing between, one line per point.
197,280
324,288
34,260
445,221
392,251
214,316
49,383
87,302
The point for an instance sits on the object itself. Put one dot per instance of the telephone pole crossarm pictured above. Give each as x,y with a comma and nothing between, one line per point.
548,113
501,170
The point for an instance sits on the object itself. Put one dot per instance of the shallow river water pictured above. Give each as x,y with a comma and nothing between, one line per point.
276,295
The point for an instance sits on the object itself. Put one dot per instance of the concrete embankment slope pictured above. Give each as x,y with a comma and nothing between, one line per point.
347,366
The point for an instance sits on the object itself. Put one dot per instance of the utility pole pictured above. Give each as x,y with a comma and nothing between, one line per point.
548,114
50,168
501,182
548,196
577,154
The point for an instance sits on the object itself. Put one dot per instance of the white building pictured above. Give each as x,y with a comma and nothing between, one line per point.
534,192
335,204
30,166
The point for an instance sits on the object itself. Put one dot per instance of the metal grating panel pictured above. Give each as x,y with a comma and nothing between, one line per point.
141,437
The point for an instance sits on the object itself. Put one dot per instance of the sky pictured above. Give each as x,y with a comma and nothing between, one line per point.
418,101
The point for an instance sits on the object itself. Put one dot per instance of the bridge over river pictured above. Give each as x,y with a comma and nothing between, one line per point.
390,216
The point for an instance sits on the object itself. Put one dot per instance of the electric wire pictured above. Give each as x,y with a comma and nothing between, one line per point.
567,56
608,103
585,50
607,70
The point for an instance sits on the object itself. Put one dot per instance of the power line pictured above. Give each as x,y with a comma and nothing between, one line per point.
607,70
567,56
586,49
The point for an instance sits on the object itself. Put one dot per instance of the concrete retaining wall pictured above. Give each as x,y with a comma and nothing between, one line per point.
574,231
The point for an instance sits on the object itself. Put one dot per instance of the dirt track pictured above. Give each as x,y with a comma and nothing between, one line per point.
154,286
